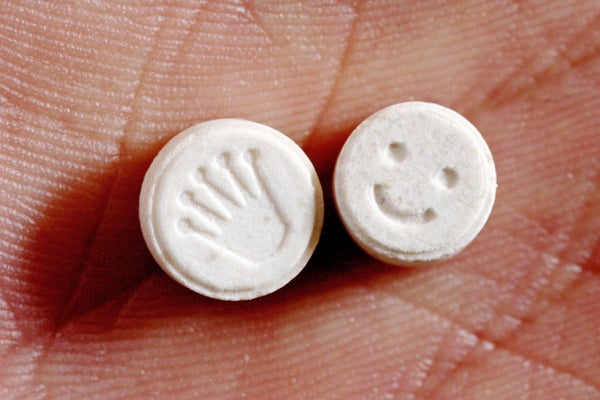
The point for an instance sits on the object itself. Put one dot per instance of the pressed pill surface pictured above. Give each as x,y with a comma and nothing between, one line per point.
232,209
414,182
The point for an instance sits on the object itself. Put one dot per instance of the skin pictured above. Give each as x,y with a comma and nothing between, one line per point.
89,92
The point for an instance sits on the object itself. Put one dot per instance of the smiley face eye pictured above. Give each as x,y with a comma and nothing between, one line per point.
397,151
448,177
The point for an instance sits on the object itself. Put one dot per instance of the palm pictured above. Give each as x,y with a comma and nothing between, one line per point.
89,94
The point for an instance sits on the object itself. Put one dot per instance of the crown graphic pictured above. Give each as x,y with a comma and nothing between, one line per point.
230,206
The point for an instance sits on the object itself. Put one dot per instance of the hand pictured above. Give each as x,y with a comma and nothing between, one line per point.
225,190
90,92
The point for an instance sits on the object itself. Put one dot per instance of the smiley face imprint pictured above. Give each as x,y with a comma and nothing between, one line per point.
385,204
414,182
391,207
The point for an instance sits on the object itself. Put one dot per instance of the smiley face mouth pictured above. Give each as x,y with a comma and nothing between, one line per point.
391,211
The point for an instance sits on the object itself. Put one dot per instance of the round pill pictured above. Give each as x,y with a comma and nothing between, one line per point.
415,182
231,209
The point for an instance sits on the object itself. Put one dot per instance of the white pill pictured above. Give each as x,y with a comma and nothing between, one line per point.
415,182
231,209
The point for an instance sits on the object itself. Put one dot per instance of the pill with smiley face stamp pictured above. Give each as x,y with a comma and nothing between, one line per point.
231,209
414,183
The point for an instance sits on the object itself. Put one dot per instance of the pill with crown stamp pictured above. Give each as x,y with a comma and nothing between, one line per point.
231,209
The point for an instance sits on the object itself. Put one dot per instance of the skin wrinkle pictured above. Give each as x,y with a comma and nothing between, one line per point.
502,342
568,238
335,82
524,22
67,307
498,345
439,386
260,54
566,254
251,15
77,292
49,342
435,360
189,30
469,344
531,74
70,334
540,253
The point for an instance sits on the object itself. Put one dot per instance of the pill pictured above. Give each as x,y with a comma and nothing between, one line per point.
231,209
415,182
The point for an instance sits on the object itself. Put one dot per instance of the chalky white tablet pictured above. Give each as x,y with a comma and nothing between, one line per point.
232,209
415,182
